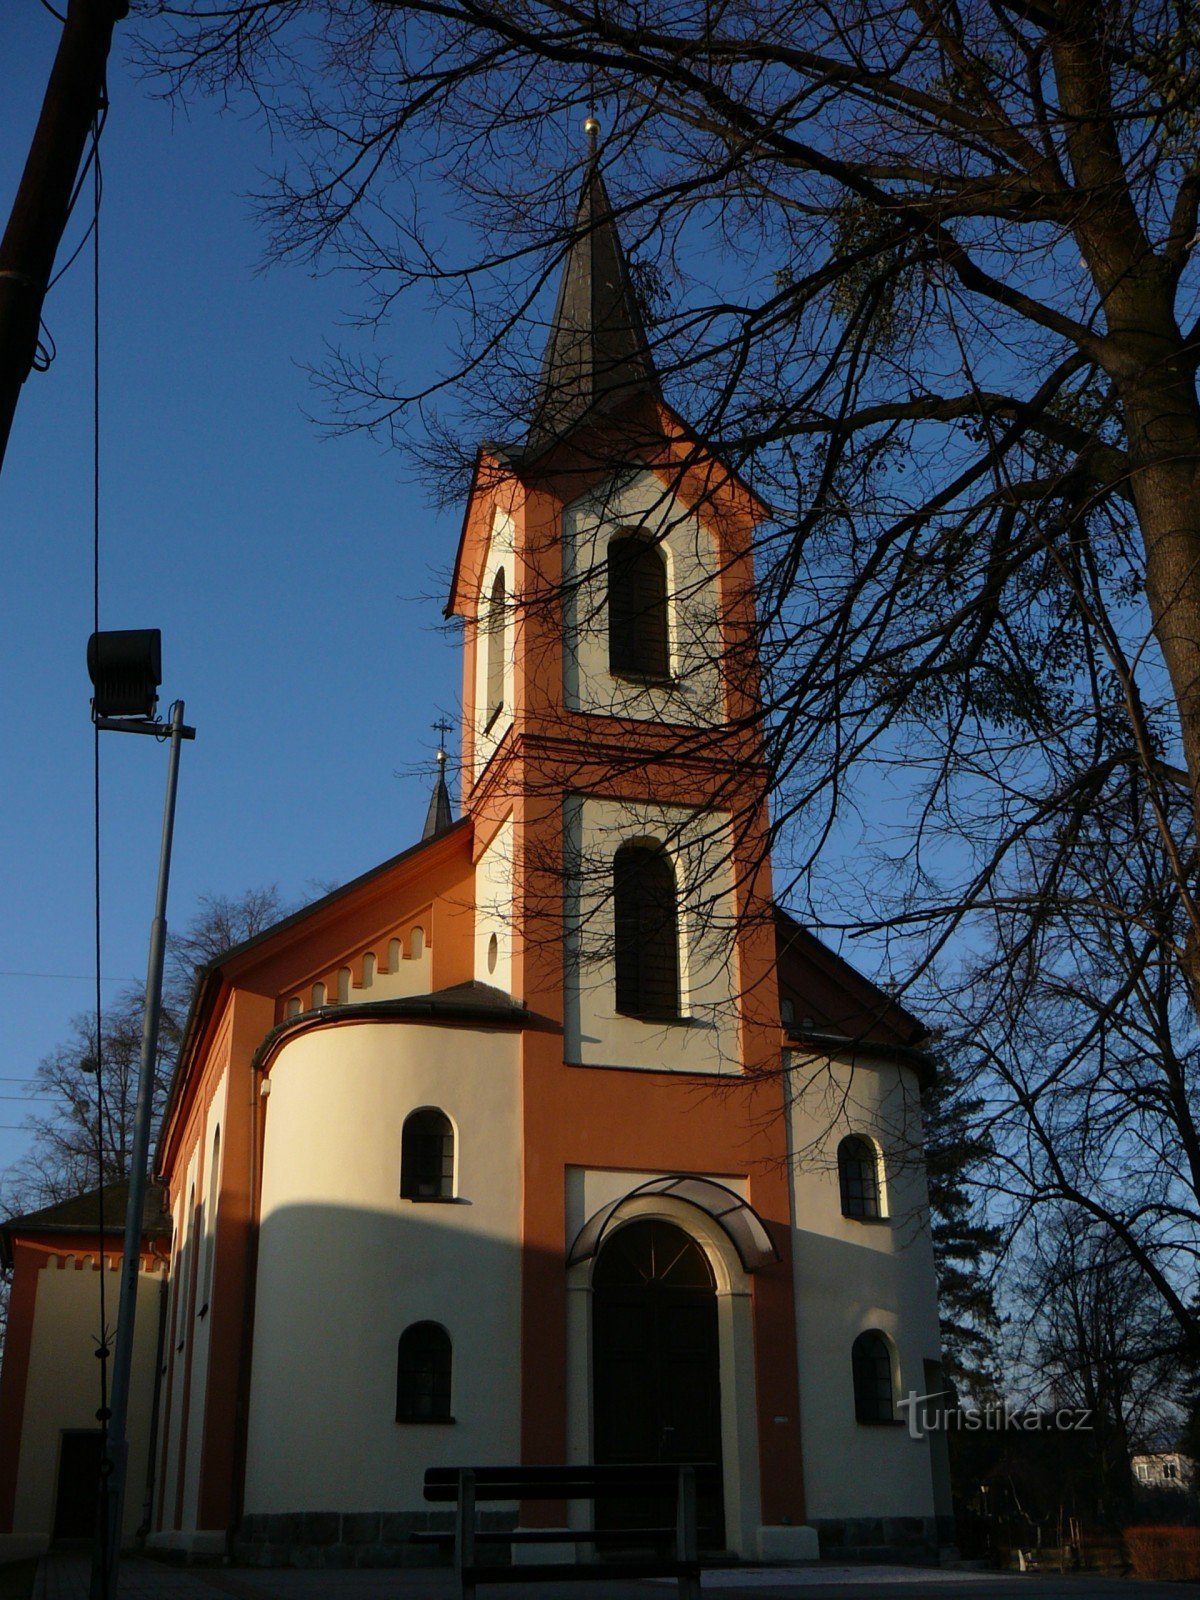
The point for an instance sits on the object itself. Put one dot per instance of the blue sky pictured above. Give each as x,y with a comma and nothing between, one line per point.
290,573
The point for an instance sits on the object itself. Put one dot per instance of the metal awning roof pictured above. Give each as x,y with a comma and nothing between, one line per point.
737,1217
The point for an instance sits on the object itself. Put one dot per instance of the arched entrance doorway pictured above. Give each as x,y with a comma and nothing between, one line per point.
656,1387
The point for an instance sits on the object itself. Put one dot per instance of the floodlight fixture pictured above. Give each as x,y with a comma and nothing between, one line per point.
125,667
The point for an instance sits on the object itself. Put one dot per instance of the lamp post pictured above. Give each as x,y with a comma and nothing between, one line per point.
126,670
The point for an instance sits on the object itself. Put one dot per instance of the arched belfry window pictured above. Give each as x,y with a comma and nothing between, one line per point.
638,633
423,1374
427,1156
646,932
874,1391
858,1178
495,649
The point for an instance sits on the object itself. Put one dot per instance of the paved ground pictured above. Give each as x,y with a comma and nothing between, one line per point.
65,1577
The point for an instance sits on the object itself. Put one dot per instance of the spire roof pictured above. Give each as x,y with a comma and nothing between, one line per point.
439,817
597,353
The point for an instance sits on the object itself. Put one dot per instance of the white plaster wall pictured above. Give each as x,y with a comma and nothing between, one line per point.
494,909
641,501
500,554
200,1320
853,1275
345,1265
596,1034
63,1385
587,1190
178,1336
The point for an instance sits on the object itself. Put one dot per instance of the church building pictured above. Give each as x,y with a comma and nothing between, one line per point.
552,1138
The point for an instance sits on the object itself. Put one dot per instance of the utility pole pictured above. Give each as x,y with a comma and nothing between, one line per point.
39,214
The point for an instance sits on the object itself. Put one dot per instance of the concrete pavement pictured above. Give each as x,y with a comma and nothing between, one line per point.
64,1576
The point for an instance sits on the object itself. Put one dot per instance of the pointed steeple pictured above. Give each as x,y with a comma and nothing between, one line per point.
440,816
597,353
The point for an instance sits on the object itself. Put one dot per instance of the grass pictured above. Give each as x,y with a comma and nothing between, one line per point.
16,1579
1164,1553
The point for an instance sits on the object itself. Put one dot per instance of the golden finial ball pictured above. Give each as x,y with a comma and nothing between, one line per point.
591,127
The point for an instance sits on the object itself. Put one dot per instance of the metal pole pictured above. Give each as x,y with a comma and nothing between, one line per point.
115,1466
42,203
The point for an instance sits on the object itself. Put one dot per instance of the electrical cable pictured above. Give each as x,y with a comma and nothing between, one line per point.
91,164
103,1347
53,12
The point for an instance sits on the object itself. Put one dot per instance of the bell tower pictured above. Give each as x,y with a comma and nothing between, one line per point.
611,758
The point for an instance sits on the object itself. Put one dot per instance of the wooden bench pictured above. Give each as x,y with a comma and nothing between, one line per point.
466,1487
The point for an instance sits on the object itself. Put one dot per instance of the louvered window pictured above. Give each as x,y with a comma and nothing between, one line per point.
858,1178
646,918
871,1359
495,650
638,633
427,1156
423,1374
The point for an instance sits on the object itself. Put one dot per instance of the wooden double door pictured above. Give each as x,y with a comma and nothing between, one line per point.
656,1392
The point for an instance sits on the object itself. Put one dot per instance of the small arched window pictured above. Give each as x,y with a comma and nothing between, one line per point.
423,1372
427,1156
638,633
646,933
495,650
858,1178
874,1392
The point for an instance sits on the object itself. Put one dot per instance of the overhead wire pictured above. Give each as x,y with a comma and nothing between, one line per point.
103,1345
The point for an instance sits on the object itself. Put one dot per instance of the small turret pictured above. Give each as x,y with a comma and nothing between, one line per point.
440,815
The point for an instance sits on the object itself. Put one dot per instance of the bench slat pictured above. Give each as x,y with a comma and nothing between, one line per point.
610,1481
575,1571
547,1535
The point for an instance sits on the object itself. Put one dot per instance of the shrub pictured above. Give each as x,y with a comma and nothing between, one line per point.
1164,1553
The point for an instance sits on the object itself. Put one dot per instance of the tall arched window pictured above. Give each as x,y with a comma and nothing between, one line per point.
427,1156
646,928
874,1392
858,1178
210,1241
638,632
423,1373
495,650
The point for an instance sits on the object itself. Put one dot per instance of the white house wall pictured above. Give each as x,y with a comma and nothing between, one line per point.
345,1265
853,1275
640,501
63,1385
596,1034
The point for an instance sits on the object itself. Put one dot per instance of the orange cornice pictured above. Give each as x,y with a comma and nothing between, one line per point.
265,963
690,449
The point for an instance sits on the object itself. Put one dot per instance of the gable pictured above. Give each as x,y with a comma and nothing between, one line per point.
823,996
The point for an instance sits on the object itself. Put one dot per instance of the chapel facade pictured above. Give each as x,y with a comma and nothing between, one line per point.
552,1138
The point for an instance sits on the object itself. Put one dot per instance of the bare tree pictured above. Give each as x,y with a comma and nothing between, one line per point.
84,1139
925,271
1098,1339
90,1079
